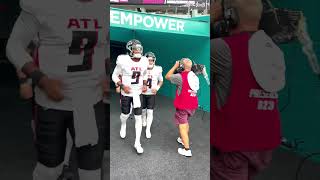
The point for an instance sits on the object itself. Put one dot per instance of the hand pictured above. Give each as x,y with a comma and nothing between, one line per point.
105,87
20,74
26,91
118,89
176,65
52,88
126,89
154,91
144,88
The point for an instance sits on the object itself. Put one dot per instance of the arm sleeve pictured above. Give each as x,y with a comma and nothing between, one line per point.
116,73
176,79
25,29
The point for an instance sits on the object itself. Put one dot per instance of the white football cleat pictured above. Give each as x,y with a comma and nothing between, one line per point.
123,131
139,149
184,152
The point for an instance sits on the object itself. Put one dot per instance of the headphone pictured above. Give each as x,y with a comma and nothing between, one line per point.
181,67
230,14
230,20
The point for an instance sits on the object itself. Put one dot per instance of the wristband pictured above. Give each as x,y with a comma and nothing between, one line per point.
36,76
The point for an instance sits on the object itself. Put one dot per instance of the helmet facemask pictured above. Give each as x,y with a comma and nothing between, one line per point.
152,62
136,50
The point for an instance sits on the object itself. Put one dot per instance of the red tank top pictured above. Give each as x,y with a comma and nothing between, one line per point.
250,119
187,99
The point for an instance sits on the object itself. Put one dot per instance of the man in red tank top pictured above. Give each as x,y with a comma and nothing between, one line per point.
186,100
245,120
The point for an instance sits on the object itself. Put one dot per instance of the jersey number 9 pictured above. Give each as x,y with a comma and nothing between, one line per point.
78,45
136,75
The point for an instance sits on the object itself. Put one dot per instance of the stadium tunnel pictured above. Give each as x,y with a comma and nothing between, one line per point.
170,38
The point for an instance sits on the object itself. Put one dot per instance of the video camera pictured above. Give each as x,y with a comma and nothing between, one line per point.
280,24
198,69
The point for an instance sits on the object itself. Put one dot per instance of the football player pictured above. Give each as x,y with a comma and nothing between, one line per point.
132,68
154,82
72,52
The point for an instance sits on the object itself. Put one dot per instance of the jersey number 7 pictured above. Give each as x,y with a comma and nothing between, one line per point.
83,41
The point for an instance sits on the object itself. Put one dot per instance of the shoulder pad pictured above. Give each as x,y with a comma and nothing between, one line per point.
122,58
32,6
42,7
159,68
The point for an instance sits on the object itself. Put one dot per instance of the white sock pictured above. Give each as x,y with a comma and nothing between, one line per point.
69,145
144,117
123,118
138,126
89,174
42,172
149,118
149,122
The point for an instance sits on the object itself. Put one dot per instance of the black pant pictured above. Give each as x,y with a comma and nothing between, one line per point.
51,130
107,116
126,102
148,101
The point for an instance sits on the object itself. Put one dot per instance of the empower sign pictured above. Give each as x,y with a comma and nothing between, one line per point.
144,21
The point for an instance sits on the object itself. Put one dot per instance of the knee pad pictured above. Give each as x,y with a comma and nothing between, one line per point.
90,157
137,111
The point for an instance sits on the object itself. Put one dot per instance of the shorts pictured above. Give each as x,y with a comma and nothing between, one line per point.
148,101
126,102
238,165
51,129
182,116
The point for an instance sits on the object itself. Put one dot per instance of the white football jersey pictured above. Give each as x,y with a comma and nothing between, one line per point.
132,73
72,45
154,76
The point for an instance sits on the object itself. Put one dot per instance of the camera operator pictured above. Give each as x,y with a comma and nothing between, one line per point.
186,100
247,70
